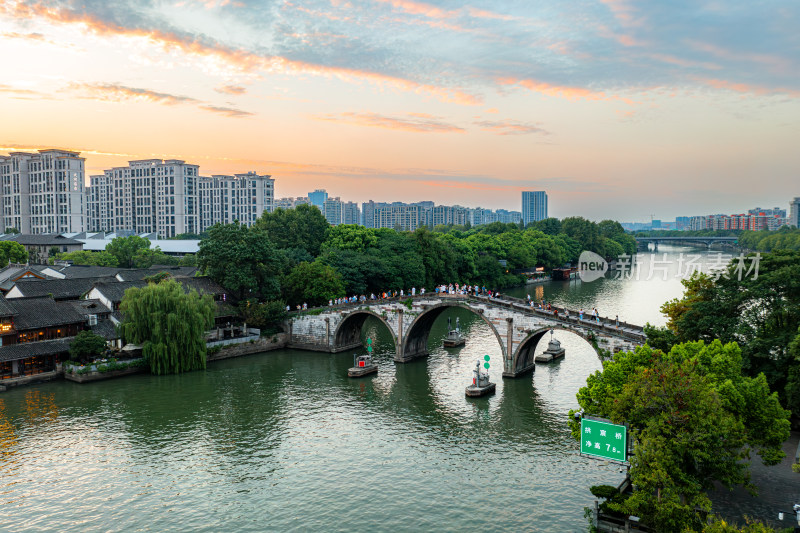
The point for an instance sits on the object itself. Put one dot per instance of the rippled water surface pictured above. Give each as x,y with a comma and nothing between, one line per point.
284,441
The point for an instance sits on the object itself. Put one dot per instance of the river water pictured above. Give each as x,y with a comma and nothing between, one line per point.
284,441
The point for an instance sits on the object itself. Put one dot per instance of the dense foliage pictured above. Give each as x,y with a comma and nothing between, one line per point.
12,252
126,252
785,238
85,345
313,283
295,255
242,260
169,324
694,417
761,313
125,249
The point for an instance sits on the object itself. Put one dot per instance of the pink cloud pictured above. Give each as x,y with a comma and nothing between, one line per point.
242,59
413,122
746,88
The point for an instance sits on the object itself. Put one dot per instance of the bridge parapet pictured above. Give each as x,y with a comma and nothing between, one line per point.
517,326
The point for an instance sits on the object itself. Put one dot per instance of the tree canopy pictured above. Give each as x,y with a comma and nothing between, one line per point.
12,252
313,283
125,249
694,416
303,227
86,344
169,324
761,313
242,260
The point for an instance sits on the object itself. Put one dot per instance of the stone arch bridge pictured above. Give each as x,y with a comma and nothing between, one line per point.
517,326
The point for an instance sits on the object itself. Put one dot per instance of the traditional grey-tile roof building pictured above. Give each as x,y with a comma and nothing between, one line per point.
137,274
15,352
39,245
41,313
58,289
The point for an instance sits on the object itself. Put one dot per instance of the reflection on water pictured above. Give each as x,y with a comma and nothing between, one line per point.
635,296
285,441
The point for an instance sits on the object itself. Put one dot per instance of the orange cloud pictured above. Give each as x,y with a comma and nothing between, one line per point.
672,60
510,127
231,89
242,59
484,14
622,11
420,8
746,88
558,91
773,62
112,92
561,91
227,111
414,122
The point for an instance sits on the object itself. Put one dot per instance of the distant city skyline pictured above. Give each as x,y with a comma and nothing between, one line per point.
617,109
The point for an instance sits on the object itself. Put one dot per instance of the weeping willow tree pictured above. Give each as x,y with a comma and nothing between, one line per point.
170,324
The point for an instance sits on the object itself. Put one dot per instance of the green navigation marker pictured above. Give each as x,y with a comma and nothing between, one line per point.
369,345
485,357
486,365
604,440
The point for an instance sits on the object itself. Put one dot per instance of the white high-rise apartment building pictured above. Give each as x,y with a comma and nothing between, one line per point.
534,206
100,203
169,198
794,213
42,192
242,197
351,213
333,211
151,196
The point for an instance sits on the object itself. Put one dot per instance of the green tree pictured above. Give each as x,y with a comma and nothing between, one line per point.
11,231
147,257
548,226
169,324
242,260
312,283
85,345
303,227
761,313
126,248
584,231
263,315
12,252
86,257
694,416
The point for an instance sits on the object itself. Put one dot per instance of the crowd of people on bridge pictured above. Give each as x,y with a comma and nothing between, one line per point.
457,289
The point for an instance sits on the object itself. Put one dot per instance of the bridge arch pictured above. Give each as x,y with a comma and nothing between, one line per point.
415,341
347,334
524,352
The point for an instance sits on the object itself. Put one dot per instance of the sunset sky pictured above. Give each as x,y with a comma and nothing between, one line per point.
618,109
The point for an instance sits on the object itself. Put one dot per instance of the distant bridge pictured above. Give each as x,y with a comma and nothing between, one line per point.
517,327
708,241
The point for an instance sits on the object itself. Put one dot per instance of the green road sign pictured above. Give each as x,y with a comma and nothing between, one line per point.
485,357
604,440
